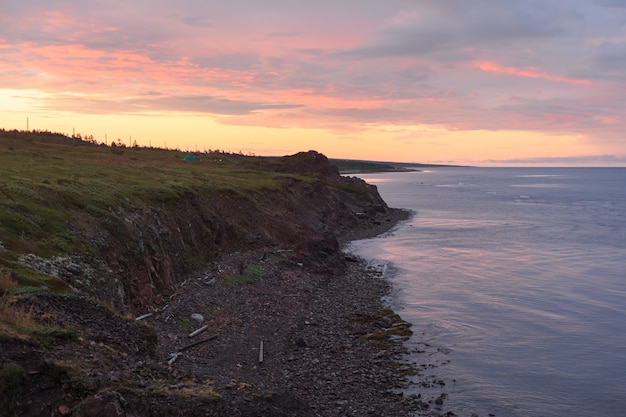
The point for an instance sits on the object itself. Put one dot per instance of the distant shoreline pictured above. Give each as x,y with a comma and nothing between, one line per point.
349,166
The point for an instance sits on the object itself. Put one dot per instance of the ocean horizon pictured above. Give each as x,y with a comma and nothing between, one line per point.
514,280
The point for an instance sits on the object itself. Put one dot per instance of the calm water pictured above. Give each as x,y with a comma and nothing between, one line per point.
515,282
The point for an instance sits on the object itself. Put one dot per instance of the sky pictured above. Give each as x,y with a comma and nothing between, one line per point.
480,82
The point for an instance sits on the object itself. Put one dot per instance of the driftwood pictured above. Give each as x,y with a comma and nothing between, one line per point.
283,250
173,358
196,343
198,331
145,316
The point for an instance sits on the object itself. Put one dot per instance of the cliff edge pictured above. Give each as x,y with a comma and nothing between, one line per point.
223,303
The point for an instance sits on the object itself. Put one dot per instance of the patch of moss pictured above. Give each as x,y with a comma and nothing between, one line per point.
253,270
12,378
237,279
185,325
45,334
212,311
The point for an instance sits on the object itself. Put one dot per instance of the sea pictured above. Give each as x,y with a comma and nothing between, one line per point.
514,280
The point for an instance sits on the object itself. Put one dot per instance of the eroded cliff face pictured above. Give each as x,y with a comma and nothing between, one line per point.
163,262
140,252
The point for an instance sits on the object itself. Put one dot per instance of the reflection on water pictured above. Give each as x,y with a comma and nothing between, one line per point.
525,297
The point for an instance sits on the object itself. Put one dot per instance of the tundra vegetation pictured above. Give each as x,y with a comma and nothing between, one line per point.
47,180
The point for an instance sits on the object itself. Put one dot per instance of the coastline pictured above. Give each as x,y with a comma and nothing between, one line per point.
274,320
331,346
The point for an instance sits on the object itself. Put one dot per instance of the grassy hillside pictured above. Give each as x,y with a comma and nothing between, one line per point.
45,181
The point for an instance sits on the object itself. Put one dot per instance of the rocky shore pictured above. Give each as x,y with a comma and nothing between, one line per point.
276,327
330,347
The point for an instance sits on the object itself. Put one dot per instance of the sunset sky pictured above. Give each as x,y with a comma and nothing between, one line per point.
482,82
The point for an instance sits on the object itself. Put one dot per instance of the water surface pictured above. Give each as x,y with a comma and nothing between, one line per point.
515,282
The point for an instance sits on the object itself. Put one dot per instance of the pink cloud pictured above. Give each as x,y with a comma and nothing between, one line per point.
336,66
609,120
530,72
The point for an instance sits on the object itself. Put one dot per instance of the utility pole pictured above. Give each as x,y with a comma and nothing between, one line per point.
27,127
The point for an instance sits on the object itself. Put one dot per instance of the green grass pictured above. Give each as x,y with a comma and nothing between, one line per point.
11,378
53,188
247,276
253,270
18,323
46,188
237,279
185,325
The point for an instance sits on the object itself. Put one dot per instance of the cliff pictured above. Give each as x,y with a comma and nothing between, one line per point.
141,250
244,263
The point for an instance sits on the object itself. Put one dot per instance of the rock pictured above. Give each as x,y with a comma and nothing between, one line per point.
310,162
197,317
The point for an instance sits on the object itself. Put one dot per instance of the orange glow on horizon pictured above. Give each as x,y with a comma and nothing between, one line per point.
371,81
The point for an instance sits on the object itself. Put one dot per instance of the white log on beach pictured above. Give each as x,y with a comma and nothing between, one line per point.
198,331
145,316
